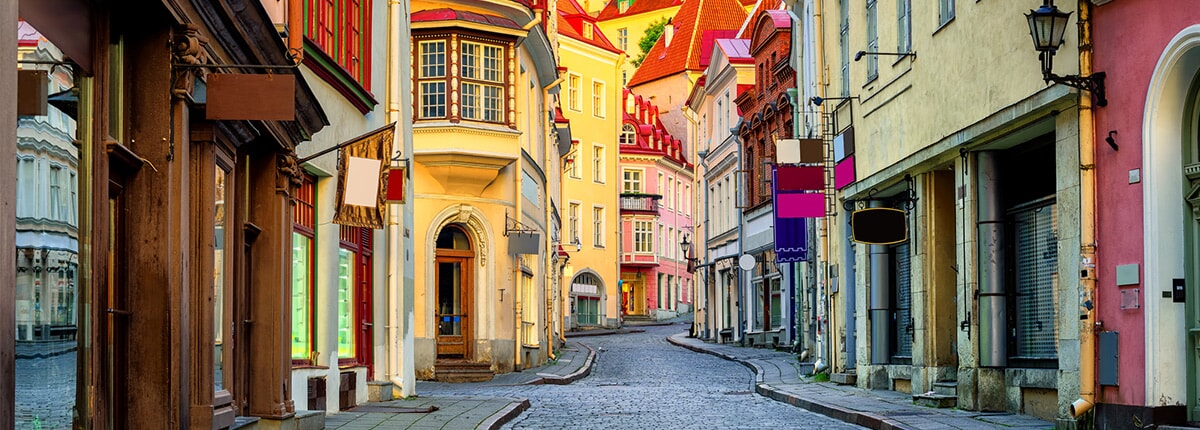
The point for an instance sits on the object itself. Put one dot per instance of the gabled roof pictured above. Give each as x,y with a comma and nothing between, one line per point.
572,17
684,53
736,50
639,7
651,138
706,43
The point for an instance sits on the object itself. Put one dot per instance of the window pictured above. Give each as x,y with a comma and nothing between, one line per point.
904,27
902,322
945,11
872,39
529,320
573,222
303,328
588,30
632,182
573,162
598,227
776,305
1034,264
432,93
482,87
623,39
643,236
628,135
598,163
478,76
662,236
598,99
624,77
659,189
574,83
687,199
844,46
222,271
55,199
342,29
353,295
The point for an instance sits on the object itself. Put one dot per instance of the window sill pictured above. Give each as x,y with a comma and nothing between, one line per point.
296,366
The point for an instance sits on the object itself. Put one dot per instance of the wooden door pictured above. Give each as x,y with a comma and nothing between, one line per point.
453,310
116,317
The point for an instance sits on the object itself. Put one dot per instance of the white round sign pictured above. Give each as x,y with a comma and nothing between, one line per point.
746,262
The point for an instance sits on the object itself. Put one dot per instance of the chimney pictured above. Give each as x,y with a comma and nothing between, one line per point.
668,33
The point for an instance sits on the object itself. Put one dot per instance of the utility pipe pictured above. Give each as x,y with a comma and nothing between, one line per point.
993,299
400,369
880,301
295,34
1087,224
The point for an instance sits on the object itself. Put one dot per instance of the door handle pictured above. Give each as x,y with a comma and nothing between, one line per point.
116,311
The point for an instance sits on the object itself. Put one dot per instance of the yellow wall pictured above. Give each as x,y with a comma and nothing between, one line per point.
593,64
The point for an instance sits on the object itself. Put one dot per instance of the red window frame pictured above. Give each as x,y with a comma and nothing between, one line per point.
358,240
342,28
303,222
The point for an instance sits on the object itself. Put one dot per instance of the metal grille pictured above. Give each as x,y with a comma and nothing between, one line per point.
902,323
1035,267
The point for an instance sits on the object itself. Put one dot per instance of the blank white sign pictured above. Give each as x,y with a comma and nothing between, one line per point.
362,182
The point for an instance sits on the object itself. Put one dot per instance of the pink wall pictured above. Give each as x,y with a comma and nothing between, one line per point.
1128,36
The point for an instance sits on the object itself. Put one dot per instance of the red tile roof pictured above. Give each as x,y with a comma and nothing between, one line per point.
706,43
694,18
651,138
639,7
571,18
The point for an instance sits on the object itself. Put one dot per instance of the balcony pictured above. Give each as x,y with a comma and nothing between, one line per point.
638,259
639,203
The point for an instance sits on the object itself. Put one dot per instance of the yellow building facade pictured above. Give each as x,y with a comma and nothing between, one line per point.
626,22
484,169
590,183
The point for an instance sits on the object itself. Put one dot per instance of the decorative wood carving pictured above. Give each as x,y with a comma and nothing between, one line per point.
289,177
188,47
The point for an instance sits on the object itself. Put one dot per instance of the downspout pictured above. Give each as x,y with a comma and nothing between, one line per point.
1087,224
518,317
741,278
880,301
993,302
295,34
551,250
400,369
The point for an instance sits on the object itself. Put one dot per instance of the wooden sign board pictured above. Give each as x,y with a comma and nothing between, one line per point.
32,89
236,96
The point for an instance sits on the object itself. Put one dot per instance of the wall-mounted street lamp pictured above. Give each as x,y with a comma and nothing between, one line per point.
1047,26
860,54
816,101
687,250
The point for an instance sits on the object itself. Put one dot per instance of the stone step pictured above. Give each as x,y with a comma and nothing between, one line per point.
843,378
935,400
946,388
245,423
462,371
310,420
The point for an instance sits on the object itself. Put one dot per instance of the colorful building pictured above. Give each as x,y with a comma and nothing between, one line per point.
626,22
729,72
486,176
588,63
656,215
1139,360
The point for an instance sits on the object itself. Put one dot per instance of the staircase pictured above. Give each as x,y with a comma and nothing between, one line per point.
638,319
847,378
944,395
459,370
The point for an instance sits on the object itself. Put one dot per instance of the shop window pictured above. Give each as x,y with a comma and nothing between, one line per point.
902,327
354,290
303,252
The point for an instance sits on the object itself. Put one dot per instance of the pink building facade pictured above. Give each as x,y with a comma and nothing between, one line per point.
1147,212
657,206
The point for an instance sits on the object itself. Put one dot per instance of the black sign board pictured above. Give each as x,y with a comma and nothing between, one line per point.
879,226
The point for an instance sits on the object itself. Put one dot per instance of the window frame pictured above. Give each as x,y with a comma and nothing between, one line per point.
574,92
452,98
598,223
643,236
303,224
627,181
599,163
358,242
599,104
342,29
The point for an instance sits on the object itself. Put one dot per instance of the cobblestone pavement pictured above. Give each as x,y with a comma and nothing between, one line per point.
45,381
639,380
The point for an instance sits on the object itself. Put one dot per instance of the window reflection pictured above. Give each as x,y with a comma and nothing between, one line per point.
47,248
219,278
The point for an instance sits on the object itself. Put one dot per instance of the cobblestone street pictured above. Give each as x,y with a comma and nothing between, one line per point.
45,385
640,380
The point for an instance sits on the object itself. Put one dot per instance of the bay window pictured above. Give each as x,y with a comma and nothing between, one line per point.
480,74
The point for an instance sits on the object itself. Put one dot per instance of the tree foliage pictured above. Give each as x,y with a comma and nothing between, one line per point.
653,32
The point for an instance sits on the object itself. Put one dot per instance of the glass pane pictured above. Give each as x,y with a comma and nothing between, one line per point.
219,279
301,279
345,328
47,246
1036,271
449,304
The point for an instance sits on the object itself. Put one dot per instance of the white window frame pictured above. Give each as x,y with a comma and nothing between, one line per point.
637,182
599,104
573,209
598,222
574,99
599,163
643,236
426,75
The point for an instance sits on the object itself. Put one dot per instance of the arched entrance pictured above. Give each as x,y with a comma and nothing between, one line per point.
587,300
1171,184
454,291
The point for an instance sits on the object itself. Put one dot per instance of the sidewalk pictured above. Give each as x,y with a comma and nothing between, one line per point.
778,377
476,412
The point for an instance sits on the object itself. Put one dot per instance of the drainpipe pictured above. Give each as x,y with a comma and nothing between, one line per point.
399,296
993,304
1087,224
295,35
881,309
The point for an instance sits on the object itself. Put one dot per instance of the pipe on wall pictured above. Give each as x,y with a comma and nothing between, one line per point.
880,309
993,302
1087,224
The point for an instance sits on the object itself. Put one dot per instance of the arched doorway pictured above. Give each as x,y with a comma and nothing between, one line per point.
454,291
587,300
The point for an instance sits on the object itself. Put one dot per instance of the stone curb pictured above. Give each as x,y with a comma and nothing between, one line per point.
829,410
505,415
601,332
578,374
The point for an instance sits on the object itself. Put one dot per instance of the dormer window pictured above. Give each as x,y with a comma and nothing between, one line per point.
628,136
588,31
